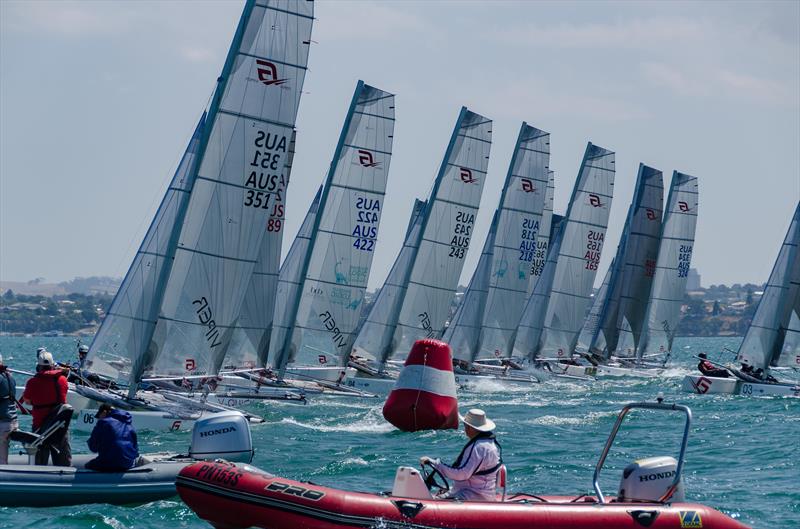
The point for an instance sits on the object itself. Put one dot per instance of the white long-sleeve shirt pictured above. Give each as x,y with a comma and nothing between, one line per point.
465,485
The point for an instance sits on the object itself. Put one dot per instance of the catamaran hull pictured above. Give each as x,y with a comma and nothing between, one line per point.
732,386
233,496
620,371
156,421
384,386
48,486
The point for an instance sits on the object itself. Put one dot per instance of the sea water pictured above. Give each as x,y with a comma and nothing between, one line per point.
742,456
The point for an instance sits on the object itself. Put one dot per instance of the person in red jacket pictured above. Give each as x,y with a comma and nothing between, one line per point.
709,369
45,391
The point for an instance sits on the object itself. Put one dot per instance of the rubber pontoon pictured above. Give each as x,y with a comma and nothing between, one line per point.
232,496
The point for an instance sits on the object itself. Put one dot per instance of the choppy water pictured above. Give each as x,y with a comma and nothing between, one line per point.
742,457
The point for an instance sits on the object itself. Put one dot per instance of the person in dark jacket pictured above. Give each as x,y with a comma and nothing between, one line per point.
709,369
114,441
8,410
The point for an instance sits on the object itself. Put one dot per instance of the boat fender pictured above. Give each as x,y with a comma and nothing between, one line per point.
424,396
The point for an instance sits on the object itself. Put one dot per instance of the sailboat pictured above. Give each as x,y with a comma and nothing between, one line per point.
415,301
551,322
622,300
485,323
671,272
325,280
177,308
771,340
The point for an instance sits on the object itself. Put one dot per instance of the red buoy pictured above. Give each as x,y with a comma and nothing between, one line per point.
424,396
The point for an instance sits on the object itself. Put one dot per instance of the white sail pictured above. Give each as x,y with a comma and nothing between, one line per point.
336,271
464,330
631,279
446,232
590,339
240,184
529,331
764,339
543,237
250,341
672,267
125,332
290,279
375,339
582,235
515,246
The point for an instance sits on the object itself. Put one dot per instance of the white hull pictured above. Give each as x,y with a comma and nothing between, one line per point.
325,374
384,386
157,421
620,371
731,386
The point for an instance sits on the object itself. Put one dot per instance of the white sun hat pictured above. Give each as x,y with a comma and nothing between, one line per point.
477,419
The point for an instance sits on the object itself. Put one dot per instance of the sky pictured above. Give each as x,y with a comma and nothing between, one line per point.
98,101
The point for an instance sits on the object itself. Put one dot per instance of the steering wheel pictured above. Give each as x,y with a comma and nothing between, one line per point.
434,480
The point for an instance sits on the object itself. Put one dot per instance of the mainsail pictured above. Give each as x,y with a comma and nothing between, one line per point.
581,238
543,237
446,232
631,278
317,328
250,341
464,331
518,228
672,267
375,339
591,339
239,186
124,334
764,340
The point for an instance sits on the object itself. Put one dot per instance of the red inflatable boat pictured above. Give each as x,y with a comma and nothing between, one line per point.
232,496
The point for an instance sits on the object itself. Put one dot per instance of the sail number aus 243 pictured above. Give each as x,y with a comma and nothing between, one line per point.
265,183
462,231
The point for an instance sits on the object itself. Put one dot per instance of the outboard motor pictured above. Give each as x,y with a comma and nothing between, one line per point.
649,479
223,435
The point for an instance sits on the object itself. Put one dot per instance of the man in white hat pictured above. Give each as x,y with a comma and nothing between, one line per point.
473,475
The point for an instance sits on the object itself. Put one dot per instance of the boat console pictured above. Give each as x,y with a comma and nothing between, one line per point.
56,422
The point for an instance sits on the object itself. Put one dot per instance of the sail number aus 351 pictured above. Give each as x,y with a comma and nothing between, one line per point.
265,182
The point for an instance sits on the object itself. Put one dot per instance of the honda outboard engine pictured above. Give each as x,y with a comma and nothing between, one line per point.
224,435
649,479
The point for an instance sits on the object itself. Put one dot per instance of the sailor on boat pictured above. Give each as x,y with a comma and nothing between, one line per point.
114,441
709,369
46,391
8,410
474,472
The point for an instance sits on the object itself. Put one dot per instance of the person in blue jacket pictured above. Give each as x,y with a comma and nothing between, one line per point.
114,441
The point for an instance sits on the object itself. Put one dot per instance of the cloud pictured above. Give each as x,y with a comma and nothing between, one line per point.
367,21
70,19
691,81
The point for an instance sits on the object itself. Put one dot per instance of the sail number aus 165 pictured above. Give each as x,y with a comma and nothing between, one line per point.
265,182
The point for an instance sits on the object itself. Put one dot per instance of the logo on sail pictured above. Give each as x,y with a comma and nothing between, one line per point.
466,176
651,214
366,159
594,200
268,73
683,206
527,185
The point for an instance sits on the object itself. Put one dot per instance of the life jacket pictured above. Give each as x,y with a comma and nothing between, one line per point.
55,396
705,365
468,446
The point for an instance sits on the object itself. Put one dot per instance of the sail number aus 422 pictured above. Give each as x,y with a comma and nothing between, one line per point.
365,232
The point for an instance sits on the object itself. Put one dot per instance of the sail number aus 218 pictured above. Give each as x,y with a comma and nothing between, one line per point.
265,182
